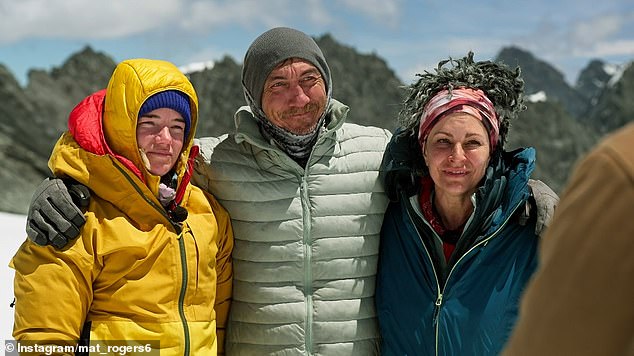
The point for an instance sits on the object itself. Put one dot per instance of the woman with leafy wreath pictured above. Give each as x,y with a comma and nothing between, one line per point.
459,240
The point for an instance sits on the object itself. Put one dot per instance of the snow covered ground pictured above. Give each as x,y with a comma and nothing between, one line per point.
12,238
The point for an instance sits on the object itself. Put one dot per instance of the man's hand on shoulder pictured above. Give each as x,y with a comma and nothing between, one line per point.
55,216
546,201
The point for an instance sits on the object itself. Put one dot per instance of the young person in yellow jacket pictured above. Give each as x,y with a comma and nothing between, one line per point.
153,261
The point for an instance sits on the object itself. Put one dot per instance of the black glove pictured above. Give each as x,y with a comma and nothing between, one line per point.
55,215
402,165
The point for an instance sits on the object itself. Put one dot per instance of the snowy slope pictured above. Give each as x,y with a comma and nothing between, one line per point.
13,236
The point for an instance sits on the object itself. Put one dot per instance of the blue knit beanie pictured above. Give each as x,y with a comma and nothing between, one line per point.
171,99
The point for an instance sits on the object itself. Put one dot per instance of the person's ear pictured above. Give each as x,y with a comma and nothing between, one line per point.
424,154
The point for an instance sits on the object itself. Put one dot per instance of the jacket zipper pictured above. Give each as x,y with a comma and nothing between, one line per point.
439,295
302,175
439,290
308,275
181,297
308,254
183,257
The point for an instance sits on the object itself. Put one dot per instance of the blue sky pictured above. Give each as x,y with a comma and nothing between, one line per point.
411,36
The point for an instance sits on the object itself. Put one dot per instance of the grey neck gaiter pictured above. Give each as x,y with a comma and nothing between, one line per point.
298,147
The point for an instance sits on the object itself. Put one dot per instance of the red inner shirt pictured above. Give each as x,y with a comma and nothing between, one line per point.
449,237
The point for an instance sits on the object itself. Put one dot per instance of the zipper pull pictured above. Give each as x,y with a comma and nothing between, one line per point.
438,303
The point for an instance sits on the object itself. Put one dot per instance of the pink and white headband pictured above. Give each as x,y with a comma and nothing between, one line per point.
470,101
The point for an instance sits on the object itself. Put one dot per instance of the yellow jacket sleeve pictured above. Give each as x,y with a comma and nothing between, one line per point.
53,291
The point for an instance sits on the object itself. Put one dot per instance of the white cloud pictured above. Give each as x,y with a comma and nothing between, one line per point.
82,19
318,14
205,14
608,48
79,19
410,34
589,32
599,36
385,12
604,36
409,56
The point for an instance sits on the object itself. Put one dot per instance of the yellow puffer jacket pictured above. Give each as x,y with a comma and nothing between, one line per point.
132,274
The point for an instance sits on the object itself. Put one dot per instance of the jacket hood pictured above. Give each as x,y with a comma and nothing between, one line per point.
504,187
133,82
105,122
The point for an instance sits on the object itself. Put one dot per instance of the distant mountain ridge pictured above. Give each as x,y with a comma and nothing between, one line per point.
561,128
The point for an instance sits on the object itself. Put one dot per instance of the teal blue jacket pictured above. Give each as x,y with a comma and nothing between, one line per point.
468,305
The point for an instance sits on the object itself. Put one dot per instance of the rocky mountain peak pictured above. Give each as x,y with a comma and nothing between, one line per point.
540,76
561,125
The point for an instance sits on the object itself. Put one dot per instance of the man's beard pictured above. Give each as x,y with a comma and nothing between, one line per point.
310,108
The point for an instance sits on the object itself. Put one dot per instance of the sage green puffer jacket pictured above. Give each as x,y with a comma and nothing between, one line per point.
306,241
